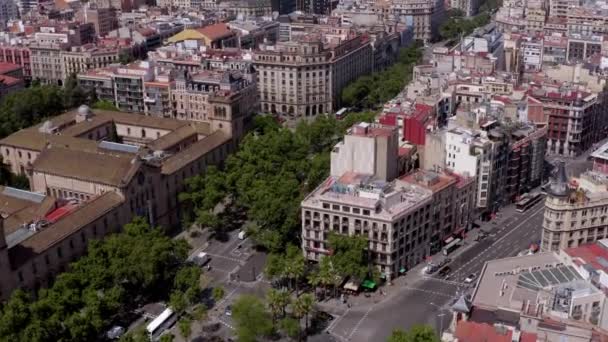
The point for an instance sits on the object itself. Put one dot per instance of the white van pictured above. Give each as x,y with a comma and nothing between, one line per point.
201,259
242,235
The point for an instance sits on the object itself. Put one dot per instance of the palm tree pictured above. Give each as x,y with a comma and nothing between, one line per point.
304,306
295,267
314,279
277,301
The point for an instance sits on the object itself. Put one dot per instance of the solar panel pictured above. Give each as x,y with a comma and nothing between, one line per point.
540,279
560,275
108,145
23,194
549,276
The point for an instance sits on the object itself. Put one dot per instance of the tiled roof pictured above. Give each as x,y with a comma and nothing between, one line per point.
467,331
66,226
108,169
194,152
216,31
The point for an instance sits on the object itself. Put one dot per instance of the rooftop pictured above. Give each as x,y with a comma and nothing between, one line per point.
386,200
104,168
37,242
431,180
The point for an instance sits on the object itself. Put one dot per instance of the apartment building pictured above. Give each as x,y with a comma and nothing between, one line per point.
47,63
573,118
19,55
367,149
86,57
394,216
426,16
226,99
453,203
581,47
104,20
306,77
525,161
576,210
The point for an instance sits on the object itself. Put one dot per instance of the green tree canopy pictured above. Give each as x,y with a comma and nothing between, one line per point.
349,255
251,318
417,333
116,275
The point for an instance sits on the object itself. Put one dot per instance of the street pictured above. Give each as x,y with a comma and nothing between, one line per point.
420,299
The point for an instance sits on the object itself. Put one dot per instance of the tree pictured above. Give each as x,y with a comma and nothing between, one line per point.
417,333
116,276
295,264
178,302
251,318
304,306
167,338
125,57
290,327
105,105
349,255
199,312
218,293
73,94
185,327
277,302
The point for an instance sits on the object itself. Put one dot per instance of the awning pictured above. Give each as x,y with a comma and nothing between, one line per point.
351,286
368,284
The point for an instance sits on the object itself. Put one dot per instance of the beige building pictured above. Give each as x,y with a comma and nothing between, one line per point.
367,149
425,16
40,235
225,99
306,78
87,57
576,212
394,216
85,184
47,62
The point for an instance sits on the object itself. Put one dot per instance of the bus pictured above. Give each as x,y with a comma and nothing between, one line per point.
452,246
341,113
527,202
164,321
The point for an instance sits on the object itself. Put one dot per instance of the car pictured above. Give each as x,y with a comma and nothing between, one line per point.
470,278
431,268
445,271
115,333
445,262
228,311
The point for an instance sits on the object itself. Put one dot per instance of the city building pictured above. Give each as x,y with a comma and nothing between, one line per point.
75,198
367,149
306,77
17,54
575,209
11,78
86,57
104,20
394,216
453,204
541,297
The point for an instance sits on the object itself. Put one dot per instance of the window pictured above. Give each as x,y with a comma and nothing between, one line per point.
366,212
59,252
325,205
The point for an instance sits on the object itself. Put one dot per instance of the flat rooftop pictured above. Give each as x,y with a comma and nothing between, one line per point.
508,283
385,200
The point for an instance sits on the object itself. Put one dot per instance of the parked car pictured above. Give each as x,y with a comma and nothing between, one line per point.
228,311
445,262
470,278
115,333
201,259
431,268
